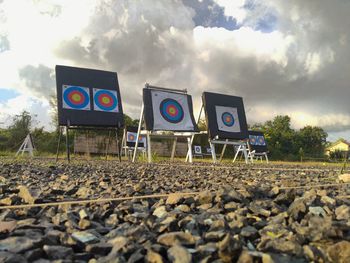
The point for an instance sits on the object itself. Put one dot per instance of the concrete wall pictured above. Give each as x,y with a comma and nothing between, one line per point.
97,145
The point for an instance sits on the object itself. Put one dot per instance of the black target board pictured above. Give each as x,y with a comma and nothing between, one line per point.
257,141
225,116
88,97
131,135
168,111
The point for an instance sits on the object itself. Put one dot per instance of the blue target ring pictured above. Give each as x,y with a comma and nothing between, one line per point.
76,97
252,139
261,140
171,110
227,119
105,100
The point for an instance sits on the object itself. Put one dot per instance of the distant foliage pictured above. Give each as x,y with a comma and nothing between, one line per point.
284,143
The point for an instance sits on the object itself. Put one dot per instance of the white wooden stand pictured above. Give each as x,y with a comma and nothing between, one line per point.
27,146
129,151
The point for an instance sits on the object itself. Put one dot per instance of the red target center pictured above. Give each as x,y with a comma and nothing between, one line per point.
228,119
76,97
105,100
172,110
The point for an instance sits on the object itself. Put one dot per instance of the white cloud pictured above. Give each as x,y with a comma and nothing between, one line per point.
21,103
234,8
245,42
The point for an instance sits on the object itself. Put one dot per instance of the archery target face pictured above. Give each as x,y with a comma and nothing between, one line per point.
261,141
105,100
197,149
253,140
227,119
171,111
75,98
131,137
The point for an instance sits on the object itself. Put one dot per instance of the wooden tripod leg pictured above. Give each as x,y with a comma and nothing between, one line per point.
59,142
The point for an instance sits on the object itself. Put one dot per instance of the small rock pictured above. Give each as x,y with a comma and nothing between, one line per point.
248,231
342,212
173,238
58,252
118,242
28,196
7,257
285,246
16,244
318,211
101,249
257,210
183,208
327,200
205,198
84,237
83,214
245,257
160,211
339,252
345,178
34,254
174,199
179,254
84,224
296,209
6,201
153,257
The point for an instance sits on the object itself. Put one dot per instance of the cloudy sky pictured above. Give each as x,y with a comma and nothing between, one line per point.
282,57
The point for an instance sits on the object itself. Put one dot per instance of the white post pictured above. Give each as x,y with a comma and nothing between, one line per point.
149,151
213,154
138,133
244,147
173,149
198,119
189,149
237,152
223,151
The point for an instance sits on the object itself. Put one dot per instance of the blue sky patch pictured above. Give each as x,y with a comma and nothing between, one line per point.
210,14
266,19
6,94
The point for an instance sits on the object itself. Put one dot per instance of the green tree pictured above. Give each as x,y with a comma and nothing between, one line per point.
20,127
312,139
280,137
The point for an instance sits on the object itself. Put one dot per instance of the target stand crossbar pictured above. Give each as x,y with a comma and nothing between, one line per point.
156,123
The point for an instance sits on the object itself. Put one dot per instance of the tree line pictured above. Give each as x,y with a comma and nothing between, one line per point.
284,143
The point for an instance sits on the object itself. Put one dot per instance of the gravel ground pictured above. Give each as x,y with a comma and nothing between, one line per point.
263,213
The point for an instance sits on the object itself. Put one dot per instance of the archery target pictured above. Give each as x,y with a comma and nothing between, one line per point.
227,119
105,100
131,137
253,140
261,140
171,111
75,98
197,149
